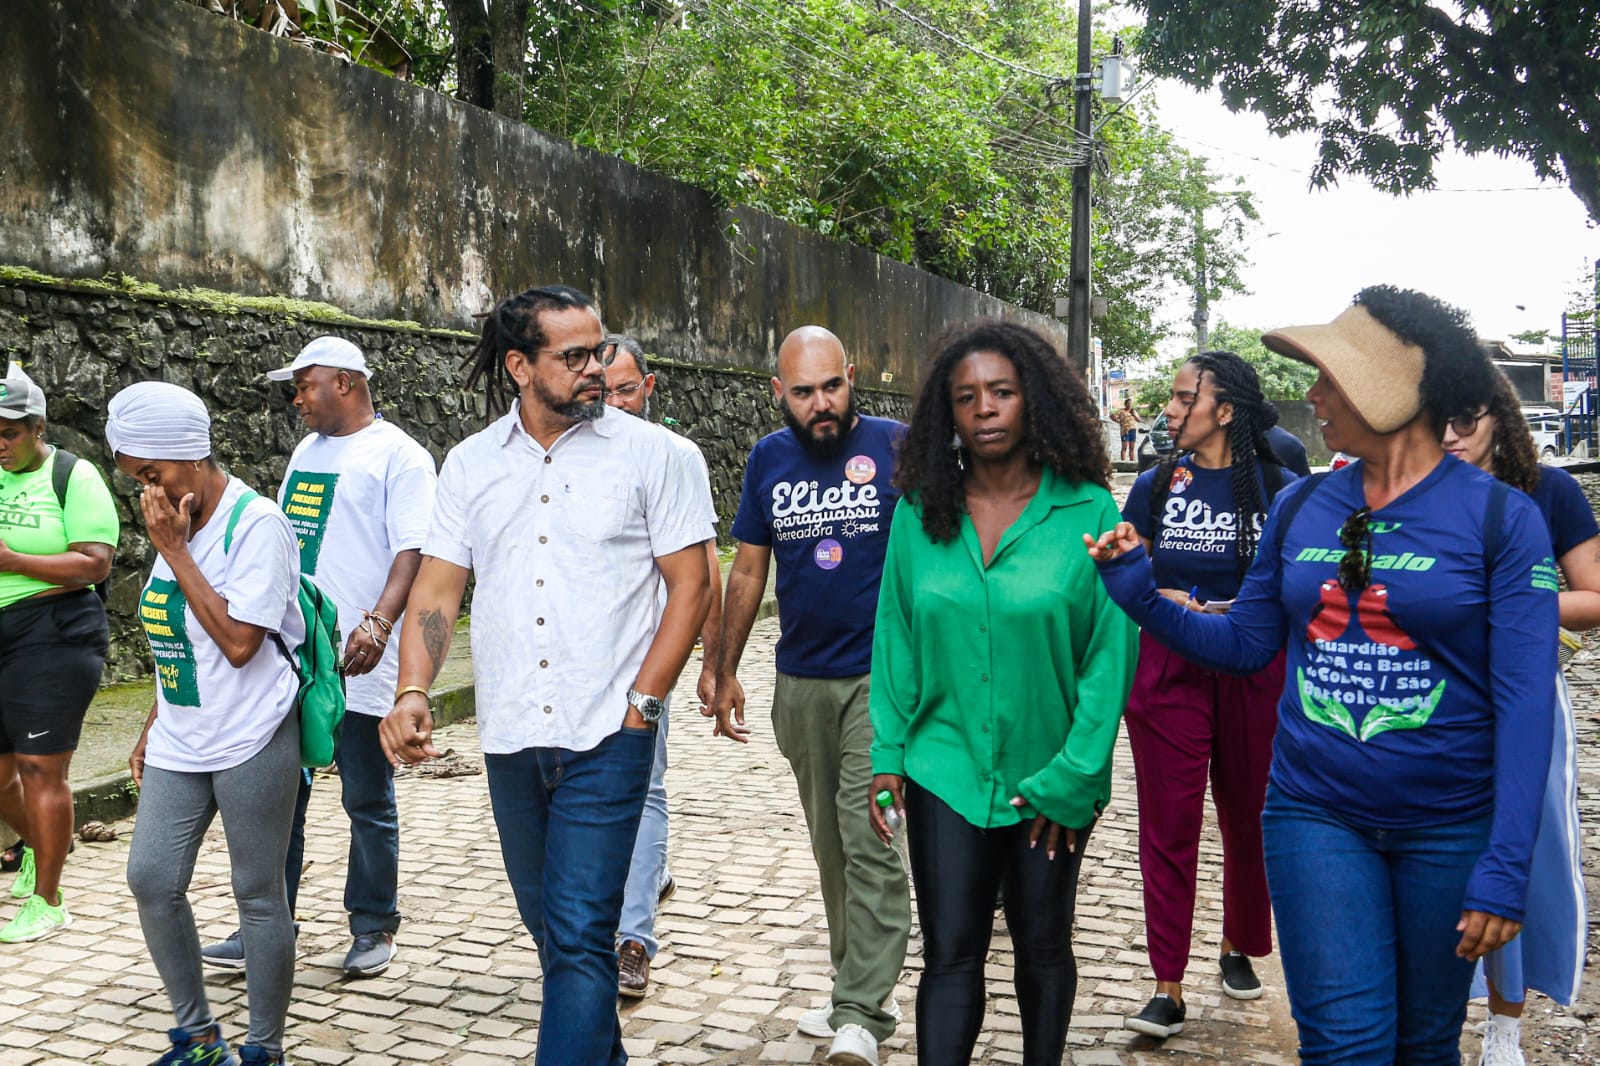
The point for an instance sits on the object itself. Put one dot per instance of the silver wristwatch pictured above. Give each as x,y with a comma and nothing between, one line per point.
650,708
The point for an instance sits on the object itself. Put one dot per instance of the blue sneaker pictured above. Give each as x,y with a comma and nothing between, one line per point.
256,1055
185,1052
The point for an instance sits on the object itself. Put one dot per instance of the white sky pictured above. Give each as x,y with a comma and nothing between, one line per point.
1484,251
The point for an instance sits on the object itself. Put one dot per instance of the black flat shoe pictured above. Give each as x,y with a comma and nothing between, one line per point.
11,858
1160,1018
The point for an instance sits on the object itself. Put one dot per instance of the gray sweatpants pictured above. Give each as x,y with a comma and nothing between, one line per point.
256,801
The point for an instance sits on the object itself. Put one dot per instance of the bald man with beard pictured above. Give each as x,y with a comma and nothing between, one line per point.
818,495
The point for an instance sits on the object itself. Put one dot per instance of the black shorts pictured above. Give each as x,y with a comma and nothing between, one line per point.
52,652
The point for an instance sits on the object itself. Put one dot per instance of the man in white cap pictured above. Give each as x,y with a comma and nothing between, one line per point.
359,493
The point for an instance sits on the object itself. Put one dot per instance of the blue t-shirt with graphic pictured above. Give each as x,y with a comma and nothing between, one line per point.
1423,699
1197,548
827,523
1566,510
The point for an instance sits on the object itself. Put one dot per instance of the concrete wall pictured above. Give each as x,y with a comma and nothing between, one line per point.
155,139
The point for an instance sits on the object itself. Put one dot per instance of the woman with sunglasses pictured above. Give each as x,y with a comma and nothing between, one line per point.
1199,516
1548,956
1414,730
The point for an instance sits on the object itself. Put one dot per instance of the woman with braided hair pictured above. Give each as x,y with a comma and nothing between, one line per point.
1199,515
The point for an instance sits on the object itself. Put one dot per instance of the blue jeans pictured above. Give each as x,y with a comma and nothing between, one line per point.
372,877
1367,931
567,822
648,871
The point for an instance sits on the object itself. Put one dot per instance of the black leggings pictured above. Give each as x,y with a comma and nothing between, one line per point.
958,868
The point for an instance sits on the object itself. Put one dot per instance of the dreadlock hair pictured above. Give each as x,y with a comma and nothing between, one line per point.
1512,458
1233,381
1063,426
513,325
1456,372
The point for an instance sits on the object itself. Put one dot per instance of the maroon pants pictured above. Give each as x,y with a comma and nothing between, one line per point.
1184,720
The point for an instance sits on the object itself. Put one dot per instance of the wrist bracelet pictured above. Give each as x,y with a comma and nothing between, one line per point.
412,688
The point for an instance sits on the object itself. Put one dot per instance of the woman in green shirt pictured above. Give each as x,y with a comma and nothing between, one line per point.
999,672
58,528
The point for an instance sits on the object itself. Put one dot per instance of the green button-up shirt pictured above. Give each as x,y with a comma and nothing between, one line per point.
1009,679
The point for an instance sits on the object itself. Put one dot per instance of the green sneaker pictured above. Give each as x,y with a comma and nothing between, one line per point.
36,920
27,876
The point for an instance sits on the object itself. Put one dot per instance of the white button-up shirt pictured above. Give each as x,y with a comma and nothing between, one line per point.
563,543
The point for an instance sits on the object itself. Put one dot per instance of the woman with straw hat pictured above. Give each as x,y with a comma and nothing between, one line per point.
1416,599
58,529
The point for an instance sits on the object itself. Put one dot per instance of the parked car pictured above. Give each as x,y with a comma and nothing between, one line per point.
1549,437
1157,444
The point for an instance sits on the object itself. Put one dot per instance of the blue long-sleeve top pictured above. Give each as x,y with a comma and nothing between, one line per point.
1424,699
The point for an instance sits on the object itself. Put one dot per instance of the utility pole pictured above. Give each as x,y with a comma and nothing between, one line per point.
1078,275
1202,313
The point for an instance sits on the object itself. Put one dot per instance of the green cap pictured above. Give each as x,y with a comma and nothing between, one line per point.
885,798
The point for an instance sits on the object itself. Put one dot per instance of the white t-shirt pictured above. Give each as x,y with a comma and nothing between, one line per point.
212,715
356,502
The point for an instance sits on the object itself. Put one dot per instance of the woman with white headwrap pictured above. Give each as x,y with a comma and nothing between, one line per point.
58,529
218,608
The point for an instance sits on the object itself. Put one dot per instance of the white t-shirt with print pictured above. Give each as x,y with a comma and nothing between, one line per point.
356,502
210,714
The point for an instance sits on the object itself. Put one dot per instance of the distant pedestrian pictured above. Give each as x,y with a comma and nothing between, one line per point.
58,529
359,494
999,672
818,496
629,386
1128,423
1290,449
218,609
572,517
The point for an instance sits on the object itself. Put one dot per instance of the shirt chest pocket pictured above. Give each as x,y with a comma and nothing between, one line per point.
595,515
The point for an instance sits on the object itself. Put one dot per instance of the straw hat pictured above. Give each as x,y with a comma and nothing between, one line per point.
1380,374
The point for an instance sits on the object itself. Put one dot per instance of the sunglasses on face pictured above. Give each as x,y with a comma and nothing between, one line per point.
1466,425
626,390
1355,536
577,358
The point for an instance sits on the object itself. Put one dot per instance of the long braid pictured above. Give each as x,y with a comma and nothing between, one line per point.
1235,382
513,325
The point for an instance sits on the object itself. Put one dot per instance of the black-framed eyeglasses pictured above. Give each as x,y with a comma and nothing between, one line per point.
1355,536
1466,425
626,390
605,353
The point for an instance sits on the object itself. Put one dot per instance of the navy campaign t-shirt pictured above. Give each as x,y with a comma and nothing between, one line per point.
1196,548
1566,510
827,523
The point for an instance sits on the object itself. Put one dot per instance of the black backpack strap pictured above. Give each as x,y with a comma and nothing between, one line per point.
1494,520
1292,508
61,474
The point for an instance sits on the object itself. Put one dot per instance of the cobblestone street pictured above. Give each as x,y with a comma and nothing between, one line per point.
744,949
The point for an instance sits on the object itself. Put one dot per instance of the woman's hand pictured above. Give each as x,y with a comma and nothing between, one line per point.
168,527
136,758
1482,932
1182,599
895,785
1119,539
1053,834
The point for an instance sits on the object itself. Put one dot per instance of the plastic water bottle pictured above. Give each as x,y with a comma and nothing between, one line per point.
897,837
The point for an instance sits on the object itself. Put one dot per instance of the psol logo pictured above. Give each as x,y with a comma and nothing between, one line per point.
828,554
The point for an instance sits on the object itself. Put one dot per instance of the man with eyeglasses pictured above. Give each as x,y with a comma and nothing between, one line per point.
818,496
629,386
573,518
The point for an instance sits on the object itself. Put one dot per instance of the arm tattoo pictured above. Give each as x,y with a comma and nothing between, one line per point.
435,636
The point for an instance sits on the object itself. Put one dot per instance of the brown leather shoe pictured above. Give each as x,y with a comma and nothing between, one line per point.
633,970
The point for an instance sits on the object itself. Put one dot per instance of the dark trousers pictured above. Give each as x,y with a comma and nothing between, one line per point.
957,869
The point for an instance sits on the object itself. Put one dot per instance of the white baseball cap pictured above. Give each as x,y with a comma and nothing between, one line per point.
19,396
325,351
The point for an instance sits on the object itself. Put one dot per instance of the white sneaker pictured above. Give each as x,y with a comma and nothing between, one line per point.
814,1022
854,1046
1502,1043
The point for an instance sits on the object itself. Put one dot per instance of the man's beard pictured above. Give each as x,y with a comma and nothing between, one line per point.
822,447
573,408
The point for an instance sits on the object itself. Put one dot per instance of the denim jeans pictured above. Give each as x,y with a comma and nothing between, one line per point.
372,876
648,871
1367,931
567,822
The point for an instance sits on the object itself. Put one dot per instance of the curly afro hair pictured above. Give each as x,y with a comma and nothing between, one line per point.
1512,457
1063,425
1457,374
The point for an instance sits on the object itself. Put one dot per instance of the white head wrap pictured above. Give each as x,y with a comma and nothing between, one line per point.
19,396
155,420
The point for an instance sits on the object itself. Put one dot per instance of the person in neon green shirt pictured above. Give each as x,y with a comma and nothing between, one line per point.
53,643
1000,668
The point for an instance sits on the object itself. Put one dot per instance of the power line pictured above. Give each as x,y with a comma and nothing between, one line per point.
959,43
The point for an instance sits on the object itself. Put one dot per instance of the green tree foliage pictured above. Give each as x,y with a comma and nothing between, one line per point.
936,132
1281,378
1386,84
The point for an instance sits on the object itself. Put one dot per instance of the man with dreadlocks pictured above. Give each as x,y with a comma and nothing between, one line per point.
1200,514
572,515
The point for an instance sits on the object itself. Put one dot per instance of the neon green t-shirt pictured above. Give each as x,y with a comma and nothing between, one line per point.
33,522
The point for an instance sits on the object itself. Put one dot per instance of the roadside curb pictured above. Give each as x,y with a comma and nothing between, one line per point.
113,796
